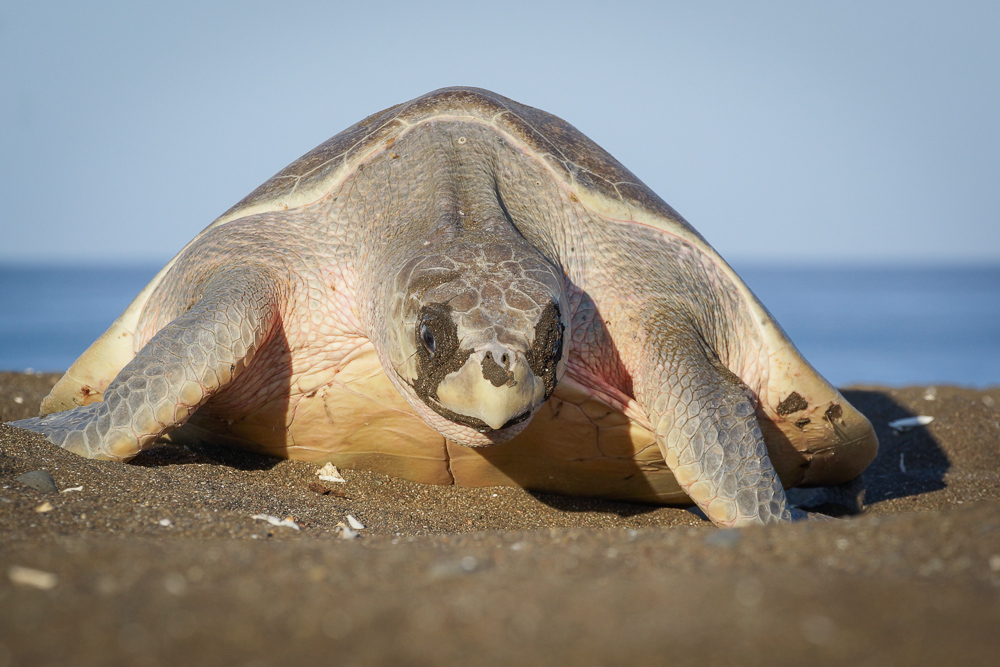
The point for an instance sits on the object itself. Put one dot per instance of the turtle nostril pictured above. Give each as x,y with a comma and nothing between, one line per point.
505,360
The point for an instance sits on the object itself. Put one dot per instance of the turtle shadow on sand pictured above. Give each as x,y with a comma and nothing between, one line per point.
167,454
207,438
909,463
621,509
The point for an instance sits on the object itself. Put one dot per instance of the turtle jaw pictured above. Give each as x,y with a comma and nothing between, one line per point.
493,390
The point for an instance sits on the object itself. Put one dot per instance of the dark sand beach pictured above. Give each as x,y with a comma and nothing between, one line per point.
160,561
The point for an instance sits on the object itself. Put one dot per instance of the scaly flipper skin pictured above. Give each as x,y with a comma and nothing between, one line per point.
706,428
676,339
184,364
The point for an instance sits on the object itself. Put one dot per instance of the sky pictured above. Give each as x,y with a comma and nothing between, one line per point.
786,132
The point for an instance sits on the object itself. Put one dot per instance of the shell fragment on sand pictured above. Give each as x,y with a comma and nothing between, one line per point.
39,480
275,521
27,576
329,473
354,523
910,423
345,532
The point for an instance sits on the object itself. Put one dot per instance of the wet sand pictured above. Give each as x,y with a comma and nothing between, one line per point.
160,561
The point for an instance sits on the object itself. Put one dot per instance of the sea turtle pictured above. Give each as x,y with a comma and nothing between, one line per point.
460,270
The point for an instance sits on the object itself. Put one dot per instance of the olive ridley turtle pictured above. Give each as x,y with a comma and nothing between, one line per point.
453,273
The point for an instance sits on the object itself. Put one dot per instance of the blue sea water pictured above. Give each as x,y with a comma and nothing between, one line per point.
889,325
856,324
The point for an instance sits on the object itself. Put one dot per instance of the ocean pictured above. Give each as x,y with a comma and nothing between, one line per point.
888,325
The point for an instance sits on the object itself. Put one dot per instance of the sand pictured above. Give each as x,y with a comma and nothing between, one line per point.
160,561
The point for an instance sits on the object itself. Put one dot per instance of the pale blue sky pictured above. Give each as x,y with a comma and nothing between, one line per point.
797,131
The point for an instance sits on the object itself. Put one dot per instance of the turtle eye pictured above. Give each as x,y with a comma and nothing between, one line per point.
427,338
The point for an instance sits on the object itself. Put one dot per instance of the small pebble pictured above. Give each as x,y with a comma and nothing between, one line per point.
818,629
749,591
44,507
325,490
175,583
164,522
449,568
19,400
345,532
27,576
724,537
39,480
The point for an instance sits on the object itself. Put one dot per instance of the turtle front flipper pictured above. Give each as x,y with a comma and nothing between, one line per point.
180,368
707,431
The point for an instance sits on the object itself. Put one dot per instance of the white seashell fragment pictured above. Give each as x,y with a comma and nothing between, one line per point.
903,425
44,507
354,523
275,521
329,473
345,532
27,576
73,488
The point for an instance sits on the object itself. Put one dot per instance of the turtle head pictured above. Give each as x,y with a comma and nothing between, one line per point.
479,340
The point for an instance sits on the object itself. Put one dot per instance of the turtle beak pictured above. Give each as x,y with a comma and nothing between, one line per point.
495,385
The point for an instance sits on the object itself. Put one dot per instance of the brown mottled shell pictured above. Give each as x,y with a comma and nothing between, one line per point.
571,155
